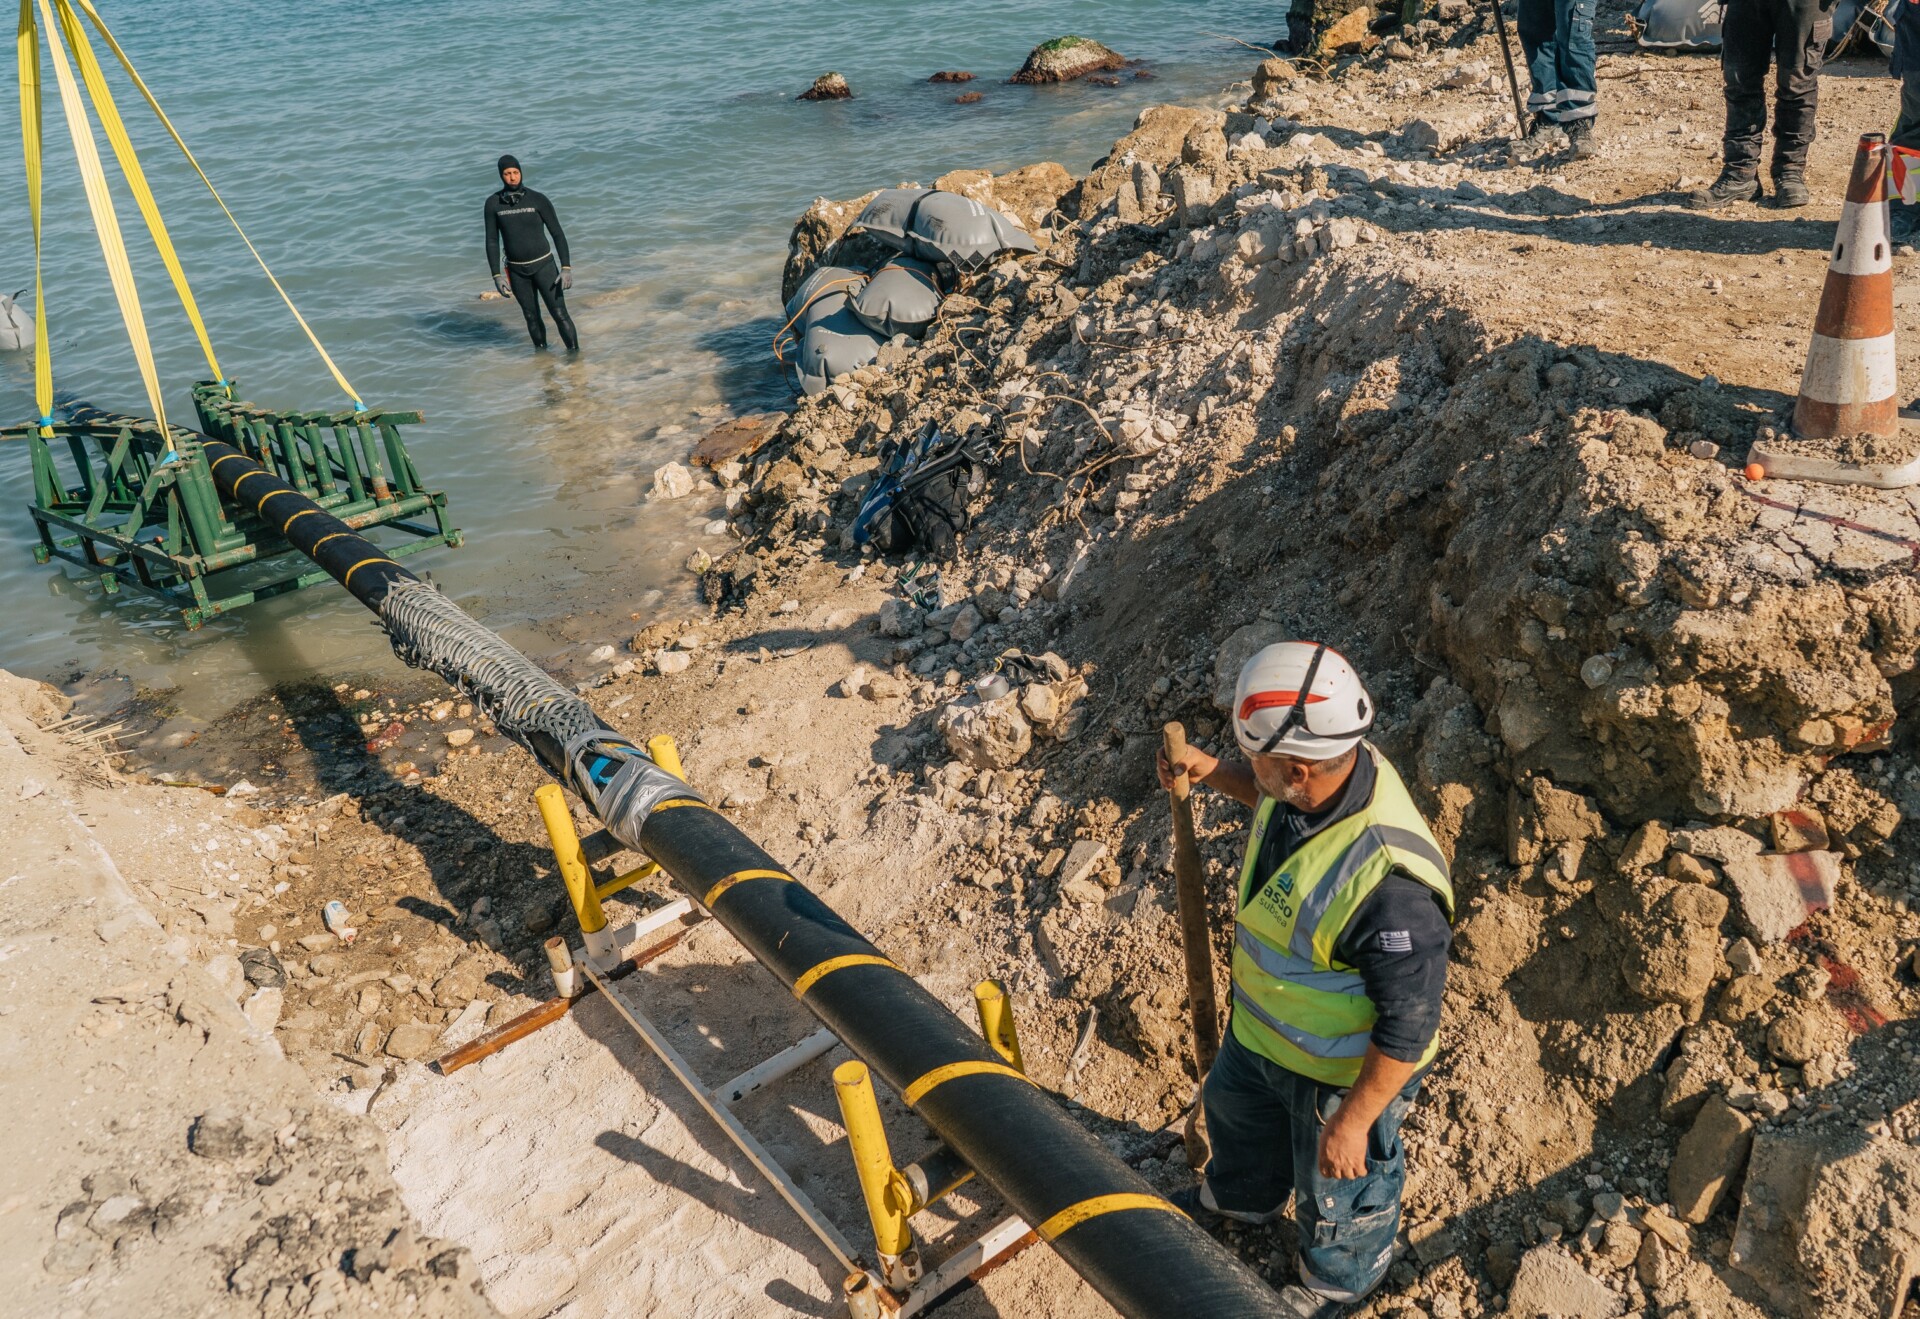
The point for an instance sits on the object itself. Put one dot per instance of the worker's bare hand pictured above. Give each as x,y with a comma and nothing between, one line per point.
1343,1149
1196,763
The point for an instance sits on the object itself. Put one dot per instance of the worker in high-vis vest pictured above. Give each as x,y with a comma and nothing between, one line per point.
1344,916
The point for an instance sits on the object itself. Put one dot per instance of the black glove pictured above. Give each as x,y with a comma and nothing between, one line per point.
566,277
503,284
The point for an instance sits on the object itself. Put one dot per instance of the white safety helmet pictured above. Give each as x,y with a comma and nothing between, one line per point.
1300,699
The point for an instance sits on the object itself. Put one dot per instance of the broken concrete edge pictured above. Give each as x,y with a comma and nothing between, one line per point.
1779,465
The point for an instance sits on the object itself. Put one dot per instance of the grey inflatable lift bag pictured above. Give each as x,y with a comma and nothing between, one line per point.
901,297
942,226
1679,24
16,325
1855,19
831,339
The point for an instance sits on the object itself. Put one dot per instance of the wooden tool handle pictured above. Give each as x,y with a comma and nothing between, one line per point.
1174,740
1196,938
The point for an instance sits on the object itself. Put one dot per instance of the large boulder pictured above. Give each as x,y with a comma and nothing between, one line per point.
1031,193
990,735
1065,58
1157,138
1552,1282
820,238
828,87
1326,27
1830,1225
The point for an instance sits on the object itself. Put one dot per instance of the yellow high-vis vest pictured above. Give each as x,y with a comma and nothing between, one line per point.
1293,1002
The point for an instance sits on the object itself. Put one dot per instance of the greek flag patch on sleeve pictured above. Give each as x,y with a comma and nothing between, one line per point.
1396,941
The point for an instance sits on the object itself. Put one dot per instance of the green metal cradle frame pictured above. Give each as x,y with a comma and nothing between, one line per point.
120,512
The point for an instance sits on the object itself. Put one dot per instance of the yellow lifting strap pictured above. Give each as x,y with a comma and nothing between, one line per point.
103,105
93,16
28,49
105,223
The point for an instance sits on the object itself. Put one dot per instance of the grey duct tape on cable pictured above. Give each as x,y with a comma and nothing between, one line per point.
624,800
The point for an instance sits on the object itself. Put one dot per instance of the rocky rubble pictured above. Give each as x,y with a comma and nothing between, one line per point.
1652,713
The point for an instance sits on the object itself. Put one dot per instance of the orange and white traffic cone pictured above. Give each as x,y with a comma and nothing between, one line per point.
1850,385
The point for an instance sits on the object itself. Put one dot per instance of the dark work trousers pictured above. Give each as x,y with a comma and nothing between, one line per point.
1264,1122
1557,38
1791,36
1906,130
534,284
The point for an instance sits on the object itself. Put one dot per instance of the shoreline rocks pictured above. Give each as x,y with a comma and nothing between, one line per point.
1065,58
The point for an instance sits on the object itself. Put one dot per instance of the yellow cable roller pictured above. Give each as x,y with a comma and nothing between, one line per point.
105,223
110,121
27,45
99,25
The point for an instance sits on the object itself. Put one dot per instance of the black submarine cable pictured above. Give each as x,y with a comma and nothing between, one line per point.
1126,1239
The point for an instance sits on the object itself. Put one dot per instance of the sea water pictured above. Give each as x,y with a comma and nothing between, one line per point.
356,142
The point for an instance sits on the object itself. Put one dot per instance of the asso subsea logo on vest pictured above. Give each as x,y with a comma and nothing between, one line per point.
1277,896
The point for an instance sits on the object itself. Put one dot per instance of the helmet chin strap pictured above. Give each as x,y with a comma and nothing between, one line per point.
1297,712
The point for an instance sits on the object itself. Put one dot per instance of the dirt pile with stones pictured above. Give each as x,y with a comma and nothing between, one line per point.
1652,707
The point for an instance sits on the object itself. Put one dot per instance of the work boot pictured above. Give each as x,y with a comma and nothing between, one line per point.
1724,192
1790,191
1190,1203
1580,138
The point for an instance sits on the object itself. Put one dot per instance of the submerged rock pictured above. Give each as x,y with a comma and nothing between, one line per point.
1065,58
828,87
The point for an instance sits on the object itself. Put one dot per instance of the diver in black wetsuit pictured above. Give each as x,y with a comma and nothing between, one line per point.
524,218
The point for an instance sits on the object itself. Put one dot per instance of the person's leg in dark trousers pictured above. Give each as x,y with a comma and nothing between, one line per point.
1746,49
1538,27
1906,129
526,292
1252,1169
1347,1225
555,298
1574,57
1265,1123
1802,29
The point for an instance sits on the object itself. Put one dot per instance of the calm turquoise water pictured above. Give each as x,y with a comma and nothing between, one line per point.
356,142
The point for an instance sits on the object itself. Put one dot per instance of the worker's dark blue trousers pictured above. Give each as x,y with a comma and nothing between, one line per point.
1557,37
1790,37
1264,1123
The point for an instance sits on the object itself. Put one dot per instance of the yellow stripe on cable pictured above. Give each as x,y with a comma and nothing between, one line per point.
939,1076
105,223
678,802
1075,1214
109,112
738,877
810,978
27,45
99,25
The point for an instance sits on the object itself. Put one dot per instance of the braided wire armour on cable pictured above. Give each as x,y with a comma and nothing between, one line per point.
429,631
